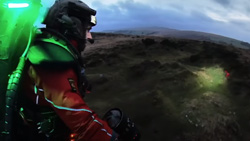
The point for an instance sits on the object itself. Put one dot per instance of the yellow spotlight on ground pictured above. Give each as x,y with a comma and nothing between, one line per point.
211,77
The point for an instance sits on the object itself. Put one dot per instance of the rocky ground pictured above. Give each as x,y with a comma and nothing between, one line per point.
175,90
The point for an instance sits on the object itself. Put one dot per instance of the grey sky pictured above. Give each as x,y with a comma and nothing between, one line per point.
224,17
223,2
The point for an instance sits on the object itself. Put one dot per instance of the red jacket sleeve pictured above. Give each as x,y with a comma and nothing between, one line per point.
58,87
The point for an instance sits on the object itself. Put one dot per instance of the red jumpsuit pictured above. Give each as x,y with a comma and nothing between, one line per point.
54,88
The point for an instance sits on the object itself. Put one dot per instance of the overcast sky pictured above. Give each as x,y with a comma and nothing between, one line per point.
230,18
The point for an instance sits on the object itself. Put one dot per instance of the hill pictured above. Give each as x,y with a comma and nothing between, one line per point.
182,34
174,89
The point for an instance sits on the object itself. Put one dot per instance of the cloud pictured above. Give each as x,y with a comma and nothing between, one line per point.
223,2
133,13
248,9
225,17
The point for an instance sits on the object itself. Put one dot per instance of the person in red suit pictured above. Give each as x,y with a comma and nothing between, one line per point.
54,83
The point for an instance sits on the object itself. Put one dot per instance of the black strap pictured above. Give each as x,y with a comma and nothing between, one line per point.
78,59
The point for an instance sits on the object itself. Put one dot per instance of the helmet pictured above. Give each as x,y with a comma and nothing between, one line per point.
71,18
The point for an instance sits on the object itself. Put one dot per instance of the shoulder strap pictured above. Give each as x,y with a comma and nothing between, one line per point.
54,50
50,51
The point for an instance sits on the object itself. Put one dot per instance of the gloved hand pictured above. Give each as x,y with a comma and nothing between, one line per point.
122,125
86,87
46,127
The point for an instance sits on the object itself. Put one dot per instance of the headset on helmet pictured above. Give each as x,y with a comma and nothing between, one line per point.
71,18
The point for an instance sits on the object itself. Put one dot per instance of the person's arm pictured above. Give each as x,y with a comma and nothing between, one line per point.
61,91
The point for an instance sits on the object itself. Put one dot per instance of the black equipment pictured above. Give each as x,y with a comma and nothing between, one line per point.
122,125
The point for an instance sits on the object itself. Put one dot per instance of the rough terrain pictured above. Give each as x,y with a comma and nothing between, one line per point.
174,89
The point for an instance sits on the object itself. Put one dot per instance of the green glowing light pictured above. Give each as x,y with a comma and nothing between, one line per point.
18,5
17,18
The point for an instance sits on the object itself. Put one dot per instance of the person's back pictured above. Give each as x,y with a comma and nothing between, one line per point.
50,103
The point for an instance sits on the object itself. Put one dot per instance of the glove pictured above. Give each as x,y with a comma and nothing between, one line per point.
122,125
46,126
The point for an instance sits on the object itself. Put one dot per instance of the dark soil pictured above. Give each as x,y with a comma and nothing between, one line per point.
175,90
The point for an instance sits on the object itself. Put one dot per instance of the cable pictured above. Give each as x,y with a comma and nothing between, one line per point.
28,45
11,93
